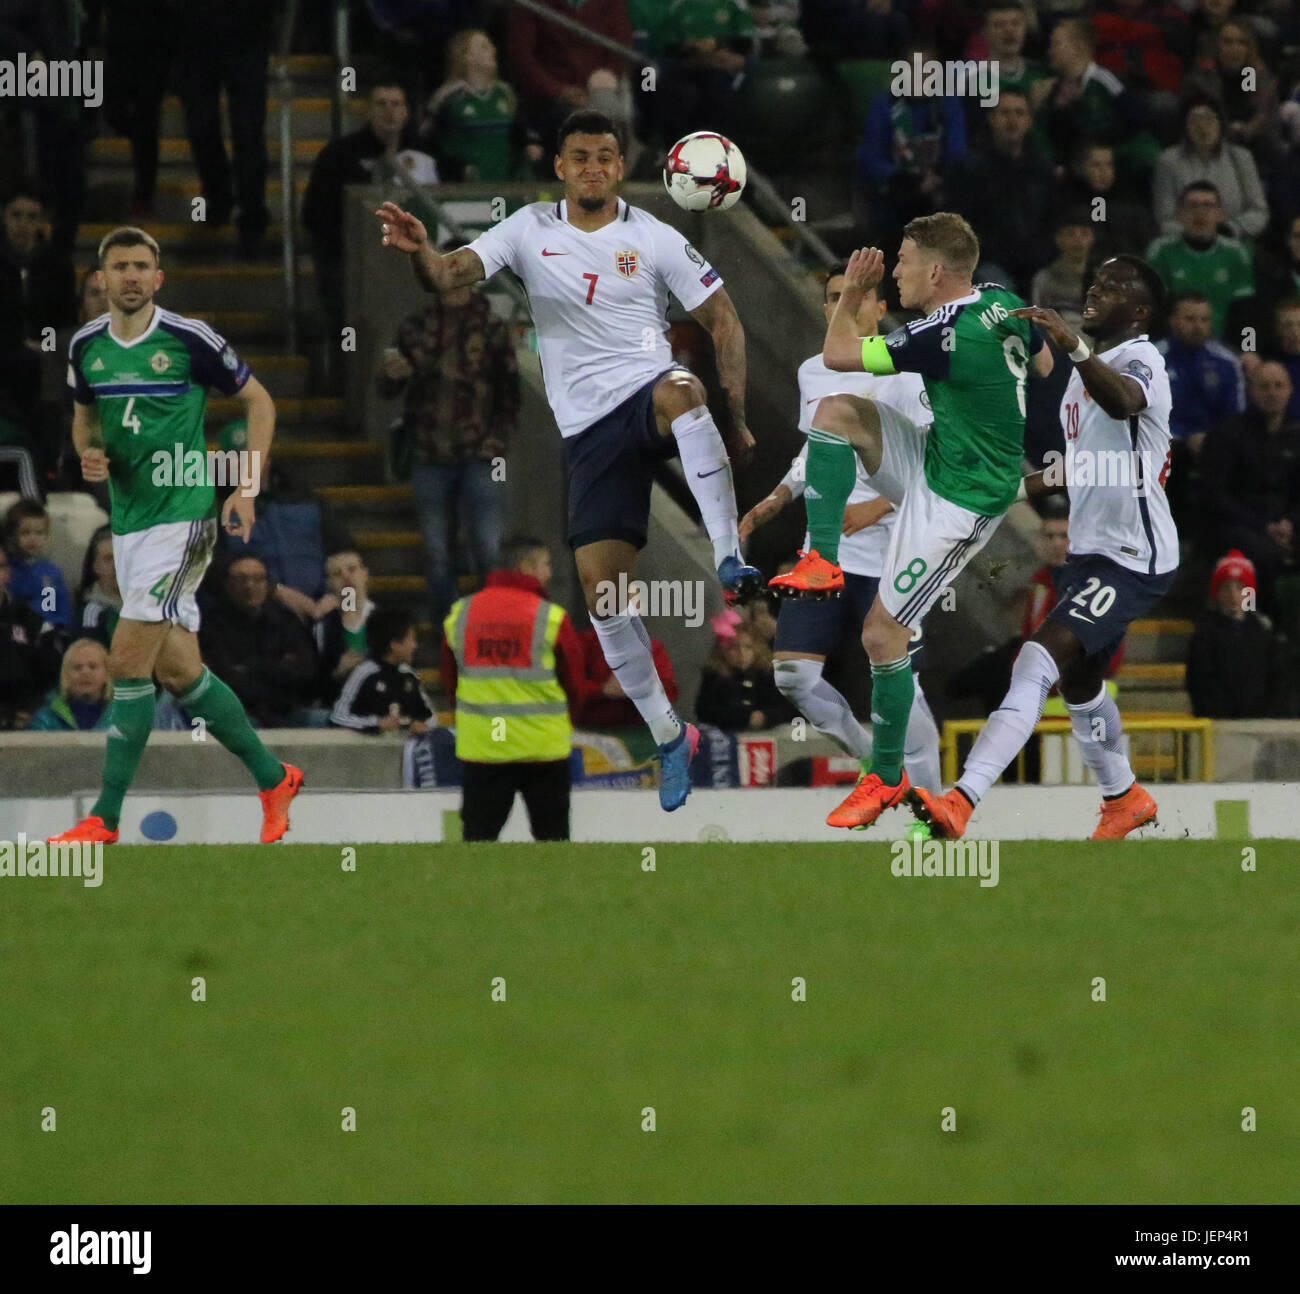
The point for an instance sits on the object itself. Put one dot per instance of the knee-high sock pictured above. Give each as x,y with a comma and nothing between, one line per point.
1100,734
626,645
892,690
802,684
209,699
831,471
921,752
1011,723
130,722
708,473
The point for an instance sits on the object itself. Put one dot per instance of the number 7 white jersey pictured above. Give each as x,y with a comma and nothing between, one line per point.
1116,468
599,300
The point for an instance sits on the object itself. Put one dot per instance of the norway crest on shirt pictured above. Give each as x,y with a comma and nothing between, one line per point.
626,262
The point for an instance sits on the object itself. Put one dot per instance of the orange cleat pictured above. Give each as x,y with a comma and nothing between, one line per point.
945,815
275,804
813,577
88,831
867,801
1127,812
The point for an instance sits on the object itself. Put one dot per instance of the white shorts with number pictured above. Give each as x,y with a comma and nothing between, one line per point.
933,539
159,569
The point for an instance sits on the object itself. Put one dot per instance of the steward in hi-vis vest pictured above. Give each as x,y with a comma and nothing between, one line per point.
512,663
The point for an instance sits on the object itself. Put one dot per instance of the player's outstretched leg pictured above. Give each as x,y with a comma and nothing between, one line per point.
1125,805
681,409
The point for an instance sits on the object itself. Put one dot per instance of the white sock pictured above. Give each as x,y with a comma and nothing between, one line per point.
708,473
1010,725
1100,734
802,684
626,646
921,746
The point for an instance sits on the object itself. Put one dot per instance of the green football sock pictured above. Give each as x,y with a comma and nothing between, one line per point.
831,472
130,722
892,690
212,701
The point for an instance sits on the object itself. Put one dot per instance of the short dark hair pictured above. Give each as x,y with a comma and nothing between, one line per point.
20,511
386,626
516,547
1286,303
1199,186
587,121
1072,215
1153,285
1011,89
88,561
128,236
25,189
1191,295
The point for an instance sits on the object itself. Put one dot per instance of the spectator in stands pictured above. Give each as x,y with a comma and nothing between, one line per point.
224,45
1121,224
29,655
737,690
1083,101
1004,176
342,641
473,126
1205,376
1204,154
604,704
776,29
1232,657
1249,102
1060,285
365,156
454,362
1002,39
908,144
92,299
709,43
1202,258
555,70
33,578
1286,333
383,693
80,703
1251,473
260,650
99,600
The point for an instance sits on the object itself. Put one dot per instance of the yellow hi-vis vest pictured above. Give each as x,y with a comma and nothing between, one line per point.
509,704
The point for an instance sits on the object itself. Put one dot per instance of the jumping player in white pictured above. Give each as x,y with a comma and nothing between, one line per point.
1123,550
598,273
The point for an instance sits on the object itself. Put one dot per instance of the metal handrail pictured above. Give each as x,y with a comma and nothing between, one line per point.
342,58
288,234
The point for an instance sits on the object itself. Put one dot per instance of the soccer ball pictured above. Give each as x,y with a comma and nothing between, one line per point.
705,171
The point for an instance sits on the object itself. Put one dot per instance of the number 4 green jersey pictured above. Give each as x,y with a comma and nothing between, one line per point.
974,359
152,393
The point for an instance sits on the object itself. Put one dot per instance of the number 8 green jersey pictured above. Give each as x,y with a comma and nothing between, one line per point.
152,393
974,359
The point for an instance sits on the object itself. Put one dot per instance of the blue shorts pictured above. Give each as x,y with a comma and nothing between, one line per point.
611,468
821,628
1097,599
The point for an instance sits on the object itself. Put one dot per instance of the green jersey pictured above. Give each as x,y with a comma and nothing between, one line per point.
1222,271
152,393
973,358
472,132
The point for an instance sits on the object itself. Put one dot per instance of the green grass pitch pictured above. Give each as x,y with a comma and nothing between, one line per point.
670,989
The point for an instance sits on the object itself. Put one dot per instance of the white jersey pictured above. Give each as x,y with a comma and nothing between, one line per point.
1115,468
864,552
599,300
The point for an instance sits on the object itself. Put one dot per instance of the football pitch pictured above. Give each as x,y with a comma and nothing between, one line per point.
929,1001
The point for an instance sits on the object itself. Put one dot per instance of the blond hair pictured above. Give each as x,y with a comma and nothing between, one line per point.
948,238
65,668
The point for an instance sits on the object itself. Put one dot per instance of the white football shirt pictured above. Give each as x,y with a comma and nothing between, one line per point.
599,301
862,553
1115,469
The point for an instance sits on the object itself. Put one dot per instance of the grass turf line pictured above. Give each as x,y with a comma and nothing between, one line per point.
669,989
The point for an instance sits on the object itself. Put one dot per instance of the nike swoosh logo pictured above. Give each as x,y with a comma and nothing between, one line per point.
546,253
715,471
1077,616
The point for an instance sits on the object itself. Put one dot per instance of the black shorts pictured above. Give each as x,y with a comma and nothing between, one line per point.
822,627
611,468
1097,599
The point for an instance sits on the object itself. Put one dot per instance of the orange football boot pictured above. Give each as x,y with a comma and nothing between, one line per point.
275,804
945,815
813,577
88,831
1127,812
867,801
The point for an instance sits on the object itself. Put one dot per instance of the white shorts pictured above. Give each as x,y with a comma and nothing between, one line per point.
159,569
932,539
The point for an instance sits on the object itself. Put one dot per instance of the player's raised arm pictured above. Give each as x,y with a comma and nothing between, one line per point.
436,273
844,350
718,315
1117,395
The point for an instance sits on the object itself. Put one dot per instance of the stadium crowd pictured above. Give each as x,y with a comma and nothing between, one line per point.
1166,129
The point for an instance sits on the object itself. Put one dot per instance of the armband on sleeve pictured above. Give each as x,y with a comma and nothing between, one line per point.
876,357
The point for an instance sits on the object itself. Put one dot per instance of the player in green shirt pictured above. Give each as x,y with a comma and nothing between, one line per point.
139,377
951,485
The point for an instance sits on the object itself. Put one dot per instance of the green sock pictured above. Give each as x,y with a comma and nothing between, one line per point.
892,691
212,701
130,722
831,472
